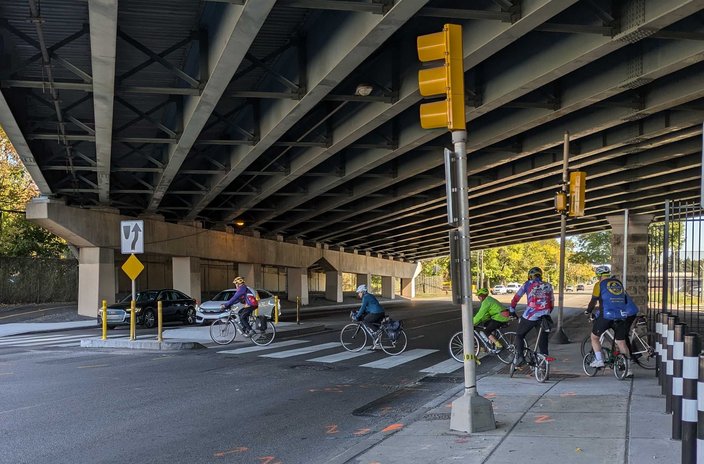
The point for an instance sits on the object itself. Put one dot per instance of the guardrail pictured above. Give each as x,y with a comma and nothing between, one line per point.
680,373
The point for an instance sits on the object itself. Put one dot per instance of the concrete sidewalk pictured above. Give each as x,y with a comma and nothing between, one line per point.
571,418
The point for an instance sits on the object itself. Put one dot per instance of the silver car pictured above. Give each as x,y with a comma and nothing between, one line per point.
208,311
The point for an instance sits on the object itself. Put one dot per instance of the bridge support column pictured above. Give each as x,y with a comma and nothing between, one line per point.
186,276
333,286
297,284
365,279
96,279
635,236
251,274
387,287
408,288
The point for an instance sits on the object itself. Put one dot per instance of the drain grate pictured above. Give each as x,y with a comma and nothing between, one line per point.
437,416
313,367
441,379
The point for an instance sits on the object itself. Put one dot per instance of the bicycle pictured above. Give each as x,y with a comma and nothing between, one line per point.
353,337
538,363
643,352
224,330
612,359
505,355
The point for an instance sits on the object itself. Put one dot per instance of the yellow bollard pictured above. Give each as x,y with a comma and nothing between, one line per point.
298,310
160,320
276,309
105,320
133,321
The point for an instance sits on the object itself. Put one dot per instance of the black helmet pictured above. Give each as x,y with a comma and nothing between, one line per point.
535,272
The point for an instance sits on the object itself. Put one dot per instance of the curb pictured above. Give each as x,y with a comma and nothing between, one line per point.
140,344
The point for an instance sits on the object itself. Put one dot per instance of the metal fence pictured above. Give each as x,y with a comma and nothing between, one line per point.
38,280
675,265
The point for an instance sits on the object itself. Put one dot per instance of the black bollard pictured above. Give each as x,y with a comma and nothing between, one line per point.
669,365
658,346
692,434
677,380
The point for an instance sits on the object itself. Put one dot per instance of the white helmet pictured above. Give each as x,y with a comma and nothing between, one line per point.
602,270
361,289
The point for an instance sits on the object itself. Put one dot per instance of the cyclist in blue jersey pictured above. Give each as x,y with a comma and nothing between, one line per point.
616,310
371,312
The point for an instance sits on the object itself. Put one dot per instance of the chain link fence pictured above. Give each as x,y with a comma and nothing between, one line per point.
38,280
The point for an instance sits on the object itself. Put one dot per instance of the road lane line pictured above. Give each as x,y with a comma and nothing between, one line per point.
251,349
403,358
445,367
337,357
300,351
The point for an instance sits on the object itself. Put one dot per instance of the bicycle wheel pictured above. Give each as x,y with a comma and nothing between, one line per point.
643,351
263,338
353,337
620,366
456,347
393,347
586,361
223,331
541,369
586,345
508,352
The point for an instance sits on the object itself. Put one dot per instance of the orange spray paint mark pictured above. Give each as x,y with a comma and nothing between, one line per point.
360,432
240,449
393,428
543,419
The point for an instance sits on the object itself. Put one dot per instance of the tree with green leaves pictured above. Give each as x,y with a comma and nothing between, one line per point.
19,237
593,248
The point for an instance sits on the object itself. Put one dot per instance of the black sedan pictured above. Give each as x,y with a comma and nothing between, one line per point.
176,306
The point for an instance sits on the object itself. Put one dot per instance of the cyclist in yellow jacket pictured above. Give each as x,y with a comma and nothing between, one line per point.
491,312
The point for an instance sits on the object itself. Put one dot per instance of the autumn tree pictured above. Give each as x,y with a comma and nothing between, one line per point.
19,237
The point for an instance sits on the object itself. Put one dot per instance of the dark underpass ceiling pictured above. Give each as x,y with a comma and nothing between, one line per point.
230,112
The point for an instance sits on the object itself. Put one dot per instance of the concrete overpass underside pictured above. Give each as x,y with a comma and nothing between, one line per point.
295,122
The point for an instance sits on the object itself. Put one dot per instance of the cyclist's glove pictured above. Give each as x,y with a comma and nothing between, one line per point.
513,316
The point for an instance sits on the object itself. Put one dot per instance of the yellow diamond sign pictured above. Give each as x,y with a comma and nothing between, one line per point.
133,267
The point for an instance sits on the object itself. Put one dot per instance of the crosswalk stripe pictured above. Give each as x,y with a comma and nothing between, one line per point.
42,341
337,357
445,367
254,348
300,351
393,361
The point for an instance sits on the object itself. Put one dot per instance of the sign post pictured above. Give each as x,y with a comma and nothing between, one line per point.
131,242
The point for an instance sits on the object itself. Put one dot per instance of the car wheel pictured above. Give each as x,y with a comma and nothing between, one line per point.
190,316
149,319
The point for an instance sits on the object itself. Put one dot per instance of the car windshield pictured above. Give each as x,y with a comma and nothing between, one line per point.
223,296
141,296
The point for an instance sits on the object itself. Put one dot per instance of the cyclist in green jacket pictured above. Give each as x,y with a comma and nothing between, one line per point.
493,313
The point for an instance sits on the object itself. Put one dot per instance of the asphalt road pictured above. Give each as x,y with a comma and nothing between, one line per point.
73,405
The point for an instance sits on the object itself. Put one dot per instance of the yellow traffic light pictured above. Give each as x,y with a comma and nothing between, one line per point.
447,79
561,202
578,183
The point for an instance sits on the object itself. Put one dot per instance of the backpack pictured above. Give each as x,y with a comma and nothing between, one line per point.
251,298
393,328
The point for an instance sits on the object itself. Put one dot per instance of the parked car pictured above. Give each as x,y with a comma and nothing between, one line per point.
580,287
176,306
210,310
499,290
512,287
569,288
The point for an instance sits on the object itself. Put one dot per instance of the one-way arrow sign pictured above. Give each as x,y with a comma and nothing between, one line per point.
132,237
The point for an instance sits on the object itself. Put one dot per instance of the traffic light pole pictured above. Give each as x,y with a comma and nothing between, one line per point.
560,335
471,412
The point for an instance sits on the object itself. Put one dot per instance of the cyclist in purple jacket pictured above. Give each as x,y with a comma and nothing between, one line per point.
247,297
540,301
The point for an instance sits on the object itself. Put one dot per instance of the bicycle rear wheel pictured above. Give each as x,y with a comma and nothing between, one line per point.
620,366
586,361
643,351
541,369
456,347
223,331
508,352
393,347
353,337
265,337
